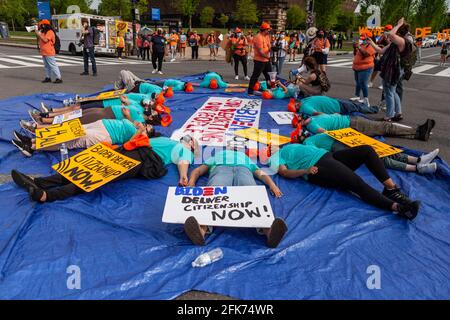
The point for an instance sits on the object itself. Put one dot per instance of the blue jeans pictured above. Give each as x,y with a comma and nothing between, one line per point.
348,106
393,102
51,67
362,81
231,176
280,64
89,53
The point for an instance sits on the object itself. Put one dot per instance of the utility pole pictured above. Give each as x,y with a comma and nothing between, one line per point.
310,16
135,16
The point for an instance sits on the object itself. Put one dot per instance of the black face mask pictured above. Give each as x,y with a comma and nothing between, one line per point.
320,36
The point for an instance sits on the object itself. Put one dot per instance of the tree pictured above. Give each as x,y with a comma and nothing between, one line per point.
188,8
431,13
295,16
345,21
120,8
246,12
327,12
207,16
13,11
223,19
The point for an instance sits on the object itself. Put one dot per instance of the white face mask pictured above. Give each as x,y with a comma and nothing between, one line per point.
239,34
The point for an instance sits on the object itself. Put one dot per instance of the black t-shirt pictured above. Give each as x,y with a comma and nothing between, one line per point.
159,43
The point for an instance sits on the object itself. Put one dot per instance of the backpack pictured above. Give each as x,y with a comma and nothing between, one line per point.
95,36
57,44
407,62
324,82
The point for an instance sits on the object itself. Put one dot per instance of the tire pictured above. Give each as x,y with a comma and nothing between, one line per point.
72,49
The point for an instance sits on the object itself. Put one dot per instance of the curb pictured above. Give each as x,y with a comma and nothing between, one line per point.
17,45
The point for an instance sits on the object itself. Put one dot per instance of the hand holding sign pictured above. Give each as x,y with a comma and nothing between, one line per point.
59,133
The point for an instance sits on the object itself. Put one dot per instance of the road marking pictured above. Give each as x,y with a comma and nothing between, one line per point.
423,68
41,63
22,63
338,61
341,64
433,55
444,73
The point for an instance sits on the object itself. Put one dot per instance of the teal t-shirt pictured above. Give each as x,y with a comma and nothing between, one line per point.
231,158
296,157
120,131
148,88
321,104
171,151
135,98
212,75
176,85
278,93
136,112
320,140
328,122
263,86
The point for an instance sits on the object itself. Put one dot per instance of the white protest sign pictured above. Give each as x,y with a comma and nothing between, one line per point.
245,207
282,117
68,116
214,122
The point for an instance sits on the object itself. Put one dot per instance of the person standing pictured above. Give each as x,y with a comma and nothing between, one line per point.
146,47
120,44
88,50
340,40
282,46
250,44
182,45
194,41
158,48
211,40
173,41
239,47
128,43
444,51
261,48
219,40
321,47
47,39
363,63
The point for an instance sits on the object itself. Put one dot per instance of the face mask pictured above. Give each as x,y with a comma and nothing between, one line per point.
239,34
320,36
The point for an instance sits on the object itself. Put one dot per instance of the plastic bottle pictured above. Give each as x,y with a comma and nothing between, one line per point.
64,152
208,258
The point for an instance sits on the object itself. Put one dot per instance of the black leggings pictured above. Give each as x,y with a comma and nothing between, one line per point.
243,60
194,52
336,171
91,104
157,56
259,67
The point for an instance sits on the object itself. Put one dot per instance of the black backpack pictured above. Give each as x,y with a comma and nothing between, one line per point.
57,44
95,36
407,62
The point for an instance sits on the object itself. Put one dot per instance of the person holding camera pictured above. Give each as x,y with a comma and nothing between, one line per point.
239,46
47,39
279,50
87,40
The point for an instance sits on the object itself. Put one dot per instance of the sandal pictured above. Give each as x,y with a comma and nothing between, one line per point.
276,233
193,231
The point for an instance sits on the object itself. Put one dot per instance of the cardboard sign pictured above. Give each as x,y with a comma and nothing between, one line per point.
68,116
282,117
245,207
94,167
59,133
215,122
238,85
263,136
105,95
235,90
353,138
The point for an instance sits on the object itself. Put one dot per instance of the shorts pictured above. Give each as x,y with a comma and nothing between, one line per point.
377,67
95,132
320,58
182,45
212,46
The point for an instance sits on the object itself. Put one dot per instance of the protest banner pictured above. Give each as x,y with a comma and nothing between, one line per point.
104,96
215,122
245,207
353,138
282,117
59,133
95,167
263,136
68,116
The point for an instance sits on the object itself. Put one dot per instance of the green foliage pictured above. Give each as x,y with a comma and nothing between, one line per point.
246,12
223,19
327,12
207,16
120,8
345,21
431,13
188,8
295,16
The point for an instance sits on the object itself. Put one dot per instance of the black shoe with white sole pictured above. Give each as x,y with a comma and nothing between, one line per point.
409,211
22,180
23,147
28,126
21,137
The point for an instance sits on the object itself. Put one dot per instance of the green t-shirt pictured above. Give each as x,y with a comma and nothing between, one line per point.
212,75
135,98
320,140
148,88
120,131
278,93
171,151
296,157
321,104
231,158
176,85
328,122
136,112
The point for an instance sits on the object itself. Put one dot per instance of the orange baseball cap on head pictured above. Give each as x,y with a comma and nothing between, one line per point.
366,34
267,95
388,27
265,26
213,84
238,30
45,21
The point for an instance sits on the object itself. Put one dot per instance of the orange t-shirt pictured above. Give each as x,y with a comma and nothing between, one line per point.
173,40
47,48
363,63
320,44
261,43
238,45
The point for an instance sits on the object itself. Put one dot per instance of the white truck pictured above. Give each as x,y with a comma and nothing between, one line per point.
68,27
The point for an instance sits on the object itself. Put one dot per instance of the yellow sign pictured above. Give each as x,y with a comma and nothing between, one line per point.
262,136
353,138
238,85
59,133
94,167
105,95
235,90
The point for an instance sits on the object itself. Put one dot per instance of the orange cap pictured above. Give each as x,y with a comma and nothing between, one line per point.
166,120
213,84
189,87
257,86
160,99
267,95
169,92
265,26
238,30
366,34
291,105
45,21
388,27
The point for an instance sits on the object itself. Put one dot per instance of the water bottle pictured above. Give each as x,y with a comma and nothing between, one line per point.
208,258
64,152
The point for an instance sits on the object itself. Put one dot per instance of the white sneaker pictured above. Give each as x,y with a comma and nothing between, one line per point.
247,78
380,87
428,157
426,168
236,78
154,71
172,60
355,98
120,58
160,72
370,85
366,101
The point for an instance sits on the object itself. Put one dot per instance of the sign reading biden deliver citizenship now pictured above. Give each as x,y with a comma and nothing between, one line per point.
215,122
95,167
246,207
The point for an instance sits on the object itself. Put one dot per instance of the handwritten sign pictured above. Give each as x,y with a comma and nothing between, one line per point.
95,167
105,95
282,117
68,116
353,138
246,207
59,133
235,90
263,136
218,118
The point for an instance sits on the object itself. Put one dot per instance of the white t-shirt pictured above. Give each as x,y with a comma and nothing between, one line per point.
283,45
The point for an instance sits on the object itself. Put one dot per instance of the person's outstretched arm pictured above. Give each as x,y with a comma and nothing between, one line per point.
183,168
197,173
267,180
292,174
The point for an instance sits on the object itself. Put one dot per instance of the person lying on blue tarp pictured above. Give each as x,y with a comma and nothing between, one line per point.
279,92
316,105
154,154
233,168
132,83
337,170
213,80
399,161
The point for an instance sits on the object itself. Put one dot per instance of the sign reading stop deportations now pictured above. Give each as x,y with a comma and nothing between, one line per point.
95,167
59,133
246,207
353,138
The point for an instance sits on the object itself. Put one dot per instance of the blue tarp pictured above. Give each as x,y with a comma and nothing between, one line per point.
124,251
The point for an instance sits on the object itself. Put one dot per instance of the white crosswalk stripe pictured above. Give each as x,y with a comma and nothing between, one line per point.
27,61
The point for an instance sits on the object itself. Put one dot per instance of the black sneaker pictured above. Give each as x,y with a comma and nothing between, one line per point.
23,138
409,211
423,131
58,81
23,147
46,80
94,74
397,196
35,193
276,233
44,108
84,74
22,180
